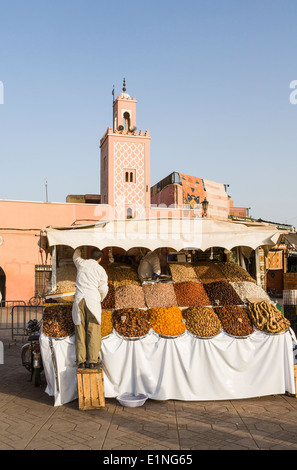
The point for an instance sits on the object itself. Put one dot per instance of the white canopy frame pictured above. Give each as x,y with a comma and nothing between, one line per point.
177,233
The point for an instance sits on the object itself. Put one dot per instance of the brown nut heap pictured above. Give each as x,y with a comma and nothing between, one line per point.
235,320
191,294
265,316
222,293
57,320
131,322
235,273
208,271
129,296
202,321
106,323
109,301
182,272
119,275
159,295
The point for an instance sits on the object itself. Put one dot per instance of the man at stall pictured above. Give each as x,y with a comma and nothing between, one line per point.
149,267
91,289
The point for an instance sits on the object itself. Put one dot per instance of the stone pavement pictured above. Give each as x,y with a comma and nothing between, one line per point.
29,421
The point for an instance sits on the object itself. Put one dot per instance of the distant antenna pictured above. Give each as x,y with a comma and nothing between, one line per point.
45,183
112,94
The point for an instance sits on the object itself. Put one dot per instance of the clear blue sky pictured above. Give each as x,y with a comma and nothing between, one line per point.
211,79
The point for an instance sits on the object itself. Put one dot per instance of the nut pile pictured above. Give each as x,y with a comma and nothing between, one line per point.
109,301
120,275
131,323
129,296
57,320
167,321
202,321
191,294
159,295
106,323
265,316
235,273
209,272
235,320
65,279
221,293
182,272
250,291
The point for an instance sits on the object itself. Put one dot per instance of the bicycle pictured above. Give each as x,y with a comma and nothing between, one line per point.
38,299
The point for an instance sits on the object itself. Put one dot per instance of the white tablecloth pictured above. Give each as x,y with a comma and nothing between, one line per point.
185,368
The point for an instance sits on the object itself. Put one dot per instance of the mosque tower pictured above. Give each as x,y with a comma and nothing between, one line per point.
125,162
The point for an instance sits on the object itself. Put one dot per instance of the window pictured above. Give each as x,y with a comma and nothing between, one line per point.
129,213
130,176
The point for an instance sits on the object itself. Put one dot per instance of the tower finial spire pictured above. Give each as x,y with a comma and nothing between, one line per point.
124,85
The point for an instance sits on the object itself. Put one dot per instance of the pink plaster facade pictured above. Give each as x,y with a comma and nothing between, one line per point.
21,223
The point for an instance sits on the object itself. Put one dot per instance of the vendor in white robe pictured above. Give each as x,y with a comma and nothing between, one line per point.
149,267
91,289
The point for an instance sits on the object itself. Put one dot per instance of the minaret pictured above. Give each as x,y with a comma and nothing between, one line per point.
125,162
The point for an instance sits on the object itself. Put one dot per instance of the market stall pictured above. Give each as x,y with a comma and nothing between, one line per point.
208,332
184,368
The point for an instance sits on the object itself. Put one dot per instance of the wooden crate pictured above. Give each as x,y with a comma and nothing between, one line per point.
90,388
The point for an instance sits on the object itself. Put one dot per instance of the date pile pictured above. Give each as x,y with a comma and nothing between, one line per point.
57,320
235,320
131,323
191,294
265,316
222,293
167,321
109,301
202,321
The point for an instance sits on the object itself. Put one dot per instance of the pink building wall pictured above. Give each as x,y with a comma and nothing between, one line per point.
21,223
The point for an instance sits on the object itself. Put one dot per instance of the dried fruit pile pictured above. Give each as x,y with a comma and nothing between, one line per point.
159,295
106,323
202,321
250,291
57,320
120,275
131,323
65,279
265,316
209,272
235,320
222,293
182,272
129,296
109,301
191,294
167,321
235,273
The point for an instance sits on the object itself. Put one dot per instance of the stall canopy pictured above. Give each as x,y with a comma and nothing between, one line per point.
292,238
175,233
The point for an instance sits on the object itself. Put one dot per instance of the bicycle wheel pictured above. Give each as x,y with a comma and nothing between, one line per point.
34,301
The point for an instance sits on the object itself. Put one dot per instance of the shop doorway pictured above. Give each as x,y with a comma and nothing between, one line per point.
2,285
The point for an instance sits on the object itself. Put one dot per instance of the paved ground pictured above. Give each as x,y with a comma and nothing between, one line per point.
29,421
